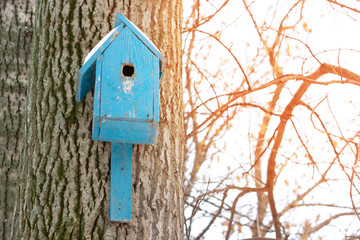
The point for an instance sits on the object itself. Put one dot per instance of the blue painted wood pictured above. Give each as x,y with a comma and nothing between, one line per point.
127,132
119,18
97,97
126,108
128,98
121,182
86,74
155,123
129,106
85,80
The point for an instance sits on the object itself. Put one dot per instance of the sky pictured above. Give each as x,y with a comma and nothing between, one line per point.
325,31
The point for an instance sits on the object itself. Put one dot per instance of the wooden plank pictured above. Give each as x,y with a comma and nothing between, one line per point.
116,130
156,100
97,97
121,182
85,80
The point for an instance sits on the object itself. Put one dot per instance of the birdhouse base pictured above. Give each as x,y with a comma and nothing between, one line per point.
124,131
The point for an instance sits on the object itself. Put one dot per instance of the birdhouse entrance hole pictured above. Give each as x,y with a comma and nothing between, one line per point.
128,70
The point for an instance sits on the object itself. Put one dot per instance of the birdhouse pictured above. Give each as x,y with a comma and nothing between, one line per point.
125,67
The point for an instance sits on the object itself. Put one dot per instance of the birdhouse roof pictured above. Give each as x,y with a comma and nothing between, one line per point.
120,23
87,71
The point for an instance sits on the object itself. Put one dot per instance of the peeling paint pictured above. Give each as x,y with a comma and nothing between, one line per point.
116,33
128,83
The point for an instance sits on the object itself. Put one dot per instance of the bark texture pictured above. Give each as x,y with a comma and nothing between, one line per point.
65,180
15,38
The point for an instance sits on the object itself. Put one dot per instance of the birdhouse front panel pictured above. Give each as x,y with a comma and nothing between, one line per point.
128,79
127,89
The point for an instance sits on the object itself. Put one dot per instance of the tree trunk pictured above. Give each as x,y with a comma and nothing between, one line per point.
15,38
64,189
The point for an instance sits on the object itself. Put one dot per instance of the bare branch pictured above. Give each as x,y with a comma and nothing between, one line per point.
231,53
327,221
208,18
357,156
311,79
214,217
344,6
232,210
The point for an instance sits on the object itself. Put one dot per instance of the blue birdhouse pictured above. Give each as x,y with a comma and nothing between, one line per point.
125,67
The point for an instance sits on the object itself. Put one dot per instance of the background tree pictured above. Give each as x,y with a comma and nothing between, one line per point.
64,183
16,19
263,111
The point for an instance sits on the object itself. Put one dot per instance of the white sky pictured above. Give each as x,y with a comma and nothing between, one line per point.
330,30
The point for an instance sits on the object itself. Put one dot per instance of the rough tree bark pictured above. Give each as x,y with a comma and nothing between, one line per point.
15,37
64,189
